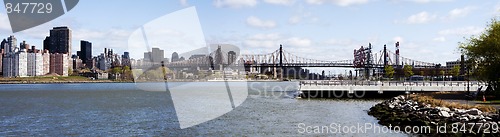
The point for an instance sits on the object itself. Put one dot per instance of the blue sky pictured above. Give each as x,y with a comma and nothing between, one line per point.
428,30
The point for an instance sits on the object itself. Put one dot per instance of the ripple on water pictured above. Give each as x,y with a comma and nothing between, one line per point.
114,109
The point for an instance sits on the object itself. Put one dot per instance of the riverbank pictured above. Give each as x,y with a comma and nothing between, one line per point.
441,117
79,79
55,79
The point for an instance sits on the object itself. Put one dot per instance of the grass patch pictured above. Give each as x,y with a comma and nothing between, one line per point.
46,79
488,102
440,103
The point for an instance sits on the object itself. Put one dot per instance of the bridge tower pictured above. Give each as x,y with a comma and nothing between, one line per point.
397,54
369,60
281,62
385,56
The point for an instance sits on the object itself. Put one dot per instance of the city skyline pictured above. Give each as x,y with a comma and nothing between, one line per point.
327,30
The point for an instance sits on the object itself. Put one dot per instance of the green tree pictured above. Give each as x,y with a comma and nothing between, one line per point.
408,70
127,73
442,73
455,71
422,73
389,71
483,53
116,70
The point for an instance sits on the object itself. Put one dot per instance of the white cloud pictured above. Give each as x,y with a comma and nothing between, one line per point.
294,19
258,23
440,39
235,3
421,18
273,40
429,1
460,12
398,39
471,30
496,10
299,42
263,40
301,16
280,2
184,3
342,3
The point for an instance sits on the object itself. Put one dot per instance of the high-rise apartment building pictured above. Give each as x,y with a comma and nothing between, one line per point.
35,64
86,52
59,64
59,40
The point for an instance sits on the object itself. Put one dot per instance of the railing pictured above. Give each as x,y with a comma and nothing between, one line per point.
391,83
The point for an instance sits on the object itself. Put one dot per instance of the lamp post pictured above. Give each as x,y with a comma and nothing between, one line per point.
468,78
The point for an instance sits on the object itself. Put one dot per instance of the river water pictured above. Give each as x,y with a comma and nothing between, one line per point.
123,109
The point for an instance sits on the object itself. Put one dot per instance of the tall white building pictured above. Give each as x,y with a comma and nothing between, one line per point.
22,63
15,64
35,64
46,63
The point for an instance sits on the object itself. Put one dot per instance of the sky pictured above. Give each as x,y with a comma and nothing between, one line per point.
428,30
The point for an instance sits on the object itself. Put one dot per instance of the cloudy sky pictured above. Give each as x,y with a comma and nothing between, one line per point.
428,30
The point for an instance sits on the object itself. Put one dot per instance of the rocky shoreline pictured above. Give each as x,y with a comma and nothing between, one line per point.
403,111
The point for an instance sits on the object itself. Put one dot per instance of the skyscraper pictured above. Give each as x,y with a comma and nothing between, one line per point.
231,57
12,44
4,42
175,57
46,44
126,59
59,40
85,52
157,55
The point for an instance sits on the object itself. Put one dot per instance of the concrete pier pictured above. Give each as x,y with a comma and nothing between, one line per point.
392,86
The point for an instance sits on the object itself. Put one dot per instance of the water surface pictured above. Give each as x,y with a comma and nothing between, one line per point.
121,109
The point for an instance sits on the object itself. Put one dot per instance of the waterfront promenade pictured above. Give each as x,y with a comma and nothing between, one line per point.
391,86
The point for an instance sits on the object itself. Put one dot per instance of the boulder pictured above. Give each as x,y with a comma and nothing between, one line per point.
460,111
443,109
444,114
465,119
474,111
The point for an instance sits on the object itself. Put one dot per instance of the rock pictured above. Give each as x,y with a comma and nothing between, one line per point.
488,118
465,119
460,111
444,114
391,106
481,117
473,111
493,116
472,117
434,123
443,109
455,119
424,109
